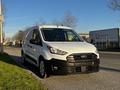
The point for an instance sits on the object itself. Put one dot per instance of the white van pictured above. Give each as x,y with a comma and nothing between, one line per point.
59,49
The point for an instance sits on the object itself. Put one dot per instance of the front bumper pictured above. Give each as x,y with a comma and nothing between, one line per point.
65,67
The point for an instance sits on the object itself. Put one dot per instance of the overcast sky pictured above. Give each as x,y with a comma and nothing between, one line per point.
91,14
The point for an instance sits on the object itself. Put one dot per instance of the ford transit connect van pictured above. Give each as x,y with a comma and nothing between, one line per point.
59,49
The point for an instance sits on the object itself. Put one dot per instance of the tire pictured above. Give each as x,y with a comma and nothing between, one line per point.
23,58
42,69
98,68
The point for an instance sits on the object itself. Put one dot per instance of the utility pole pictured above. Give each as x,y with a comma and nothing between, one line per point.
1,27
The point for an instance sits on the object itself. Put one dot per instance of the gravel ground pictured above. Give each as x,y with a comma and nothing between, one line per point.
106,79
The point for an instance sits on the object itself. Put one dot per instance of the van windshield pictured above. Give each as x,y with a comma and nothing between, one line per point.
59,35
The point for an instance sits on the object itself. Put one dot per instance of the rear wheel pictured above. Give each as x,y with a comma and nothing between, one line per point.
23,58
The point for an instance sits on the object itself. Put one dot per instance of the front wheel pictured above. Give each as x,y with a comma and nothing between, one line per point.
42,69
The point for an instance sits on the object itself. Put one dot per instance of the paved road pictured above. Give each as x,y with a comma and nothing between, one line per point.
110,60
107,79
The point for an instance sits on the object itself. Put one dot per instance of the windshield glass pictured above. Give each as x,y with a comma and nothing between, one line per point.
60,35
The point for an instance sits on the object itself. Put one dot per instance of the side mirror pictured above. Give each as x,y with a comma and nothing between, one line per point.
32,41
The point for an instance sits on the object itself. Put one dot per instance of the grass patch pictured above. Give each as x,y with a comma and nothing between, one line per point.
13,77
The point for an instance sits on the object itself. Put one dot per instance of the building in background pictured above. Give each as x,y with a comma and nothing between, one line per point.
85,36
107,38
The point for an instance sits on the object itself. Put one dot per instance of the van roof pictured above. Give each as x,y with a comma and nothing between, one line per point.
48,26
54,26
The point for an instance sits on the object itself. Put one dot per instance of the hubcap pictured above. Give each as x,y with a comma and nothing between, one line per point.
42,68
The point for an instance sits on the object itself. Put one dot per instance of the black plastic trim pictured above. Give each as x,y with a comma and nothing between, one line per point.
32,59
65,67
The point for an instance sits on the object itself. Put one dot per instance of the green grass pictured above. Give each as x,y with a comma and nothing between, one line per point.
14,77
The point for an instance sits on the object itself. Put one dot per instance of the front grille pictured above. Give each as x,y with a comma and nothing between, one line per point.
88,56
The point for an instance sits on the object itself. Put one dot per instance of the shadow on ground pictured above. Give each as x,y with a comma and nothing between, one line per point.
28,66
17,61
7,59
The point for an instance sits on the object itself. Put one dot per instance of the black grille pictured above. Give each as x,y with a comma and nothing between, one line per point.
88,56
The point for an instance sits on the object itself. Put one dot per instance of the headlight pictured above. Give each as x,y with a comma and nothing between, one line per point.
56,51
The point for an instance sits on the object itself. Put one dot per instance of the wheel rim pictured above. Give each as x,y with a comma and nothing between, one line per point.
42,68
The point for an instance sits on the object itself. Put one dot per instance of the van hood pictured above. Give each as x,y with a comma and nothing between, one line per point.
73,47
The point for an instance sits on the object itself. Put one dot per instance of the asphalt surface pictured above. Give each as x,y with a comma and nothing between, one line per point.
108,78
110,60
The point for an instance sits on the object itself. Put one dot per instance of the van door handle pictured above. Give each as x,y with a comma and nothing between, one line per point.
29,46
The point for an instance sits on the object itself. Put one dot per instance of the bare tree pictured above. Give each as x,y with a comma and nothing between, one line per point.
69,20
114,4
19,36
41,21
56,22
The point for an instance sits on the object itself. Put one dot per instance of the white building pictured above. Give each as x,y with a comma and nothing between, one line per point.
107,38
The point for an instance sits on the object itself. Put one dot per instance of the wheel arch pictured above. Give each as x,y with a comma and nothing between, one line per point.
22,52
43,58
40,57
